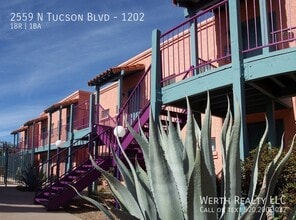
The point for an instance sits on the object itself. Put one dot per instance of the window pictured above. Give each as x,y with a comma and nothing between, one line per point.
105,113
213,143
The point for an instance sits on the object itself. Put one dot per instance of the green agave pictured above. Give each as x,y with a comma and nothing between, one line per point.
180,182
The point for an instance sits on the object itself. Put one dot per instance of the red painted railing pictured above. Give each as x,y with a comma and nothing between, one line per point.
81,115
282,26
102,117
137,101
212,46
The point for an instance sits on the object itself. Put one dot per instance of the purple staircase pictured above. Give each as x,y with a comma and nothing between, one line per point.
59,193
56,191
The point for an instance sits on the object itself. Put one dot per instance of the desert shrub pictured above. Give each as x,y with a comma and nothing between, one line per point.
286,185
29,178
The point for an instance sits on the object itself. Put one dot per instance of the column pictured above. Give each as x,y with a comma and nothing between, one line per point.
238,73
155,99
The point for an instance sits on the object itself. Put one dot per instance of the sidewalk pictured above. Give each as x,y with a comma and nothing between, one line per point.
17,205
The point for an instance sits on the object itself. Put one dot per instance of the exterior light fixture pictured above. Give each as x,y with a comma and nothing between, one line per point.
59,143
119,131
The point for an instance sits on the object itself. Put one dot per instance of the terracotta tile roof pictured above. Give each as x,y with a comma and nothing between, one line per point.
59,105
112,74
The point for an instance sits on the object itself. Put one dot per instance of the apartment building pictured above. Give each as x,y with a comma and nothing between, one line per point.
241,50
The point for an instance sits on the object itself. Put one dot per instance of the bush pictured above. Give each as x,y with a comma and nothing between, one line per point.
29,178
286,185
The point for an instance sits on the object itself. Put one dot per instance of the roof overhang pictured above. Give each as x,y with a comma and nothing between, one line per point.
60,105
23,128
113,73
36,120
193,6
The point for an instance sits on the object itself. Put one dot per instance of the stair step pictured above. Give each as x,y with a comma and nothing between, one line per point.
81,171
73,177
49,194
65,182
57,188
41,201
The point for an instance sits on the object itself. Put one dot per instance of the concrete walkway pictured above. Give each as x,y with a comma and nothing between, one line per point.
17,205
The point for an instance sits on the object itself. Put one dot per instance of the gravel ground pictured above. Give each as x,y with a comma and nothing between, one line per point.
84,210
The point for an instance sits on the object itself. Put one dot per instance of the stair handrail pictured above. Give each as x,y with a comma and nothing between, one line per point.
66,157
125,105
111,120
49,161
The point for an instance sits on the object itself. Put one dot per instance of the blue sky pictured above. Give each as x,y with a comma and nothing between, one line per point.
39,67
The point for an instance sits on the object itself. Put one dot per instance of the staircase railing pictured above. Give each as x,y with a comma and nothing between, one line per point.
138,99
102,117
62,157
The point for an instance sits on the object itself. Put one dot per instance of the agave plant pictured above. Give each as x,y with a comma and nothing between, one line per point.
179,181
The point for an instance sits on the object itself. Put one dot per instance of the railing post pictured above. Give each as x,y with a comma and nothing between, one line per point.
49,144
194,46
156,75
71,134
264,25
32,143
119,103
60,123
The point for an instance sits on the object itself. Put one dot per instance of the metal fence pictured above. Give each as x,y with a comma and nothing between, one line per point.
12,164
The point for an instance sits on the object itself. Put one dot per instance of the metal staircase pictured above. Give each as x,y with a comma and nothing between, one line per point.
56,191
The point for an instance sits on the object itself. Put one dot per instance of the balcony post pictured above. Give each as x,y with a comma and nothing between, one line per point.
271,122
60,123
49,144
156,76
119,100
32,143
194,46
264,25
71,134
238,72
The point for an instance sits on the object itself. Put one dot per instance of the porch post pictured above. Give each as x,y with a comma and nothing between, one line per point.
91,130
60,123
271,122
32,143
119,95
71,134
194,46
49,143
264,25
238,72
156,73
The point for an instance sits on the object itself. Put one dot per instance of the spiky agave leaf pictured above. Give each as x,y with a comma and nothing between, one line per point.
190,141
233,165
208,176
195,191
174,156
163,184
143,196
94,202
226,128
254,174
122,194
